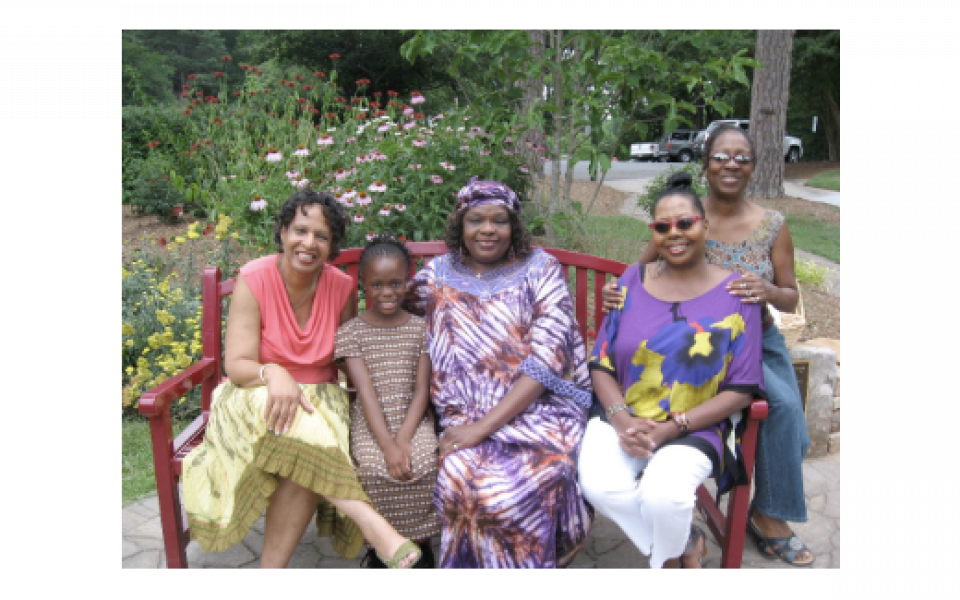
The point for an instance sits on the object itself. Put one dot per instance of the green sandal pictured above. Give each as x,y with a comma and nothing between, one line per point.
785,548
402,552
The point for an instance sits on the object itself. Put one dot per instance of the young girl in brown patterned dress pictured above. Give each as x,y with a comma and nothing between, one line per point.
392,438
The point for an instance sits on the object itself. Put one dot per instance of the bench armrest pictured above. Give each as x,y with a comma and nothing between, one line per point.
758,410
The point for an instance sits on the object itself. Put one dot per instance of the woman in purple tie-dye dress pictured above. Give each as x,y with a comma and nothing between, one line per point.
511,388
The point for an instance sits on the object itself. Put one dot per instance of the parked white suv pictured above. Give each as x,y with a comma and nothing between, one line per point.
792,146
647,151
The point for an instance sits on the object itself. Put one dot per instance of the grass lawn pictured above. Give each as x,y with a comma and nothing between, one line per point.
816,236
828,180
138,480
618,238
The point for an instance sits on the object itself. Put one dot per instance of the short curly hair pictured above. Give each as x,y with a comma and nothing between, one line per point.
520,240
333,214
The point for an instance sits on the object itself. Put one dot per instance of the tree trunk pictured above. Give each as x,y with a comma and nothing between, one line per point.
533,91
831,125
768,111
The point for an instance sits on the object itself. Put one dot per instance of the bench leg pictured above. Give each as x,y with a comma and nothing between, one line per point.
168,494
738,506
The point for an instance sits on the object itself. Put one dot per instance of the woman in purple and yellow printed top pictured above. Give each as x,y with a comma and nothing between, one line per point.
672,368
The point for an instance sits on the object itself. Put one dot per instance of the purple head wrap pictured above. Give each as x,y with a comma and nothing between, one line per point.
480,193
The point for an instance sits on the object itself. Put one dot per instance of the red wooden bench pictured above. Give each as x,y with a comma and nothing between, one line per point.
169,451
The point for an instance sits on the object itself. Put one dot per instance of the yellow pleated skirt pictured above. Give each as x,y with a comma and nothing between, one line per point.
229,478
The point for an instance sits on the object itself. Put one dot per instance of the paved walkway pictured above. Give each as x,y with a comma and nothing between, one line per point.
606,548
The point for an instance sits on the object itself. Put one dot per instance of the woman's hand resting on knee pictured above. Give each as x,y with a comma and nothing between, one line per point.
283,397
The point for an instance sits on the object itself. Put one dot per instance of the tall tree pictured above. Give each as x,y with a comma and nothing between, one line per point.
768,111
815,91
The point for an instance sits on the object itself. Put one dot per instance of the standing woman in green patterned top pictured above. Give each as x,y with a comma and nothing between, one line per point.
755,241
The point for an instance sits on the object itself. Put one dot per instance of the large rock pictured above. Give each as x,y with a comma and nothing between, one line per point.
820,394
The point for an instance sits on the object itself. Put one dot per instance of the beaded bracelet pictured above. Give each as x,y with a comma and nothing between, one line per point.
261,371
681,420
615,409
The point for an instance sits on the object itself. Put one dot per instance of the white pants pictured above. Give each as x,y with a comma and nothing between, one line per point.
656,513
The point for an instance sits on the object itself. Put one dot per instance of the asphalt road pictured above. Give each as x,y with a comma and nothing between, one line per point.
618,171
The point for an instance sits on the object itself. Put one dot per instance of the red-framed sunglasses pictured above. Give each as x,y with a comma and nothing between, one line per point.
682,224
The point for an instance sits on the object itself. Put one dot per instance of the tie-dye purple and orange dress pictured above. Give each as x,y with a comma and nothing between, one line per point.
513,500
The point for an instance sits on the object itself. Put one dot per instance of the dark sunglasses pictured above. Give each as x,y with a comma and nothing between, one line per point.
682,224
723,157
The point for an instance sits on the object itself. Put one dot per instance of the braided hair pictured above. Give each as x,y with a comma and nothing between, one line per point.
382,245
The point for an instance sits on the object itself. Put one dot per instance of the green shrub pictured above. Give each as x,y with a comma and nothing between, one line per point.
658,183
810,273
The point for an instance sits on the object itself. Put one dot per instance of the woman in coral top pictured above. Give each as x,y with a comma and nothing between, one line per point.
278,434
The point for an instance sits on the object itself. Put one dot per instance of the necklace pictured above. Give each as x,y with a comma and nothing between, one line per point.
302,300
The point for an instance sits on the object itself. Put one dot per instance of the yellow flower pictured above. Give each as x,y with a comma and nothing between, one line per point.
193,235
129,343
128,329
234,235
180,239
129,370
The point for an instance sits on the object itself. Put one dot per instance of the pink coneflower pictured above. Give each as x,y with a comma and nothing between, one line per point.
325,140
300,182
400,207
378,156
419,143
417,98
370,236
523,169
385,212
438,117
358,218
362,159
349,194
409,124
508,139
436,179
448,166
378,186
258,204
342,174
274,155
301,151
508,153
484,153
464,147
351,139
408,111
363,199
416,166
291,174
383,128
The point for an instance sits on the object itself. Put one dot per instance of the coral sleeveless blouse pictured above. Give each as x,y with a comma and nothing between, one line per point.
307,354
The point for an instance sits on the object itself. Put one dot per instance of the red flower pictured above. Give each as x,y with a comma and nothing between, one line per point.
259,74
362,116
377,94
294,122
308,87
207,143
212,99
330,115
187,112
392,103
298,77
267,90
403,238
238,93
392,93
163,242
301,100
334,56
374,105
320,74
226,57
356,100
244,67
192,76
186,86
218,74
218,121
417,115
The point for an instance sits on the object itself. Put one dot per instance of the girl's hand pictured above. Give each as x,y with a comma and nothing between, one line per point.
751,288
611,295
460,437
398,462
283,397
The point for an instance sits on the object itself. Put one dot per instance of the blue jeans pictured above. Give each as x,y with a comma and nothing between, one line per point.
783,439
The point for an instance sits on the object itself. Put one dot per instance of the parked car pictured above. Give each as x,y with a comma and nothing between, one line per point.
792,146
679,145
646,151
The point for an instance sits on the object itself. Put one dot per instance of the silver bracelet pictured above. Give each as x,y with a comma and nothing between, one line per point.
615,409
261,371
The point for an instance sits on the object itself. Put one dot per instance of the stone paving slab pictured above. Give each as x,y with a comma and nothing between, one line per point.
606,548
